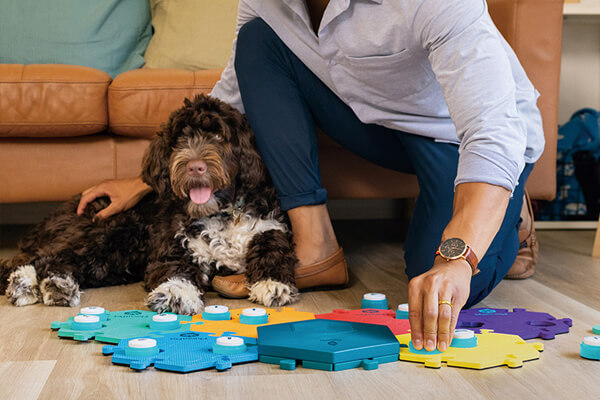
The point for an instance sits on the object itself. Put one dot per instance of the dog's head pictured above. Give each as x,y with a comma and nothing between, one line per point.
204,149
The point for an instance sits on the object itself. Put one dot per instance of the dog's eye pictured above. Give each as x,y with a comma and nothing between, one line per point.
218,137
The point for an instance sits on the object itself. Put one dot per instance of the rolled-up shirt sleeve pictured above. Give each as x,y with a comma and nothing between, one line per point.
469,61
227,89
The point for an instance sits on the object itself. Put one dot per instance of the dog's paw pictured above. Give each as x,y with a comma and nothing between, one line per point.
23,287
273,293
60,290
176,295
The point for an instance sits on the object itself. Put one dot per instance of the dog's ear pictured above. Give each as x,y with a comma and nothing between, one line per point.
155,165
252,169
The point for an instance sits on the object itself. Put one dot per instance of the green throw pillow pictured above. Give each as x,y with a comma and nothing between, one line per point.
110,35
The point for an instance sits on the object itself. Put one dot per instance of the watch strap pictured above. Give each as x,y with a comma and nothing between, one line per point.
471,258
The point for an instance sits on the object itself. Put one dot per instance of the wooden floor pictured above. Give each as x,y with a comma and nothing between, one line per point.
34,363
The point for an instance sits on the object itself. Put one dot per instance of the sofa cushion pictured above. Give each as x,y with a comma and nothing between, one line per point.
110,35
140,101
53,169
191,34
52,100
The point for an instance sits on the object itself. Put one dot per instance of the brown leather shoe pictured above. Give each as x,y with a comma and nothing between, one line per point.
231,286
332,271
524,265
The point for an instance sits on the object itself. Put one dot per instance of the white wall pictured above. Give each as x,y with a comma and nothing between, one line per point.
580,71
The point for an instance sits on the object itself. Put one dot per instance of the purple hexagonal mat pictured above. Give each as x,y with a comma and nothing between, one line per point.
526,324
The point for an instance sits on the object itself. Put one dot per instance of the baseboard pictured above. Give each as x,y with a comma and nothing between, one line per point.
344,209
25,213
566,225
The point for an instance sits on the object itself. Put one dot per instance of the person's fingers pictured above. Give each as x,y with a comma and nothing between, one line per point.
444,320
107,212
430,315
459,301
83,202
88,197
454,319
415,313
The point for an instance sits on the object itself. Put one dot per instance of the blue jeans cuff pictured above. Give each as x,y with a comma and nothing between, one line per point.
316,197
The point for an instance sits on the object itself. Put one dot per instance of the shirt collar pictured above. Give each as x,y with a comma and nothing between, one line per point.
298,6
334,8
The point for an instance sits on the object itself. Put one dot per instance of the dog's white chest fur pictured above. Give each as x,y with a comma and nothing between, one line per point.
224,241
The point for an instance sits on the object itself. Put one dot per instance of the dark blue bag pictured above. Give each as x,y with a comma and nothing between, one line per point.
580,134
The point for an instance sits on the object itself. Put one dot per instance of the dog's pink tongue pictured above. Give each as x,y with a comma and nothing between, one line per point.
200,195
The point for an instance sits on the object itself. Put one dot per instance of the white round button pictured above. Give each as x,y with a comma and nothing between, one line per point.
374,296
254,312
86,319
592,341
216,309
230,341
463,334
92,310
403,307
164,318
143,343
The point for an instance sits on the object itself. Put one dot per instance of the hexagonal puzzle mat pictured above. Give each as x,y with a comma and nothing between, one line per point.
526,324
222,320
182,352
370,316
476,351
111,327
328,345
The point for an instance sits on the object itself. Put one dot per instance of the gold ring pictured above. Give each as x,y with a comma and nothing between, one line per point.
445,302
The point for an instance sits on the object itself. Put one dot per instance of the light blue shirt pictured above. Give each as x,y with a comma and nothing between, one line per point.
435,68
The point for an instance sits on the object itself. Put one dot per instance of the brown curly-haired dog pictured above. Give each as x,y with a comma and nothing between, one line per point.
212,211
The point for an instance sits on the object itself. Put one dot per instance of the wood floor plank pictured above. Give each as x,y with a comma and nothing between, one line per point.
24,380
566,265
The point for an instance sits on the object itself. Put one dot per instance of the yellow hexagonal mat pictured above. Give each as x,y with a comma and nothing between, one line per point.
492,350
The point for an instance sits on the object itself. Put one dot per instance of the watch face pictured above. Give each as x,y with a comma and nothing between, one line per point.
453,248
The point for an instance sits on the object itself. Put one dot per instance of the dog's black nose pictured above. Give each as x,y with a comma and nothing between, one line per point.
196,168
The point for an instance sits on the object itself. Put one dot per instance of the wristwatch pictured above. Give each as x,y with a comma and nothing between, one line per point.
455,248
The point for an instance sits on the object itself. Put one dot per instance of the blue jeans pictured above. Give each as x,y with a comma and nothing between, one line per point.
284,101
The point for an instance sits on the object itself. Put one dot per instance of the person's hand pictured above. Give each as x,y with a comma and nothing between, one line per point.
432,324
123,194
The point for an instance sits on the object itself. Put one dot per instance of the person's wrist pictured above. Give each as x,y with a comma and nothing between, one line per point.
460,264
145,189
142,187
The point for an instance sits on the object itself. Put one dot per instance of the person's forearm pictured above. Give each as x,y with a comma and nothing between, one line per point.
479,209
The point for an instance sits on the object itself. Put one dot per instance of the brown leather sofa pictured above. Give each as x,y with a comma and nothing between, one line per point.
65,128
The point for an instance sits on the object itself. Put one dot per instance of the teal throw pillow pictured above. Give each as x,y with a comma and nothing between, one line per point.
110,35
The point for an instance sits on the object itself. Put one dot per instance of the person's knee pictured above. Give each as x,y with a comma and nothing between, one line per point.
477,293
254,38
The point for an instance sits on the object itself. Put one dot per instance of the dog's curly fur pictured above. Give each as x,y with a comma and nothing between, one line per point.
174,244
